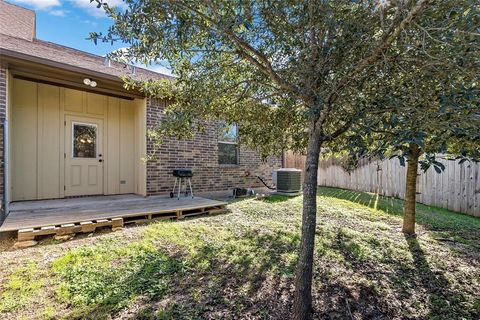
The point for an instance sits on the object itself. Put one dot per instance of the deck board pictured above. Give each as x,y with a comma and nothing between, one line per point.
33,214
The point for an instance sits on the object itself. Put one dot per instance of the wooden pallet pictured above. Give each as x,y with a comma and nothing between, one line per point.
206,210
70,228
27,237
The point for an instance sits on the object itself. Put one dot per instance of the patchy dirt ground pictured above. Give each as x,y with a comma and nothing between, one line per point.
240,265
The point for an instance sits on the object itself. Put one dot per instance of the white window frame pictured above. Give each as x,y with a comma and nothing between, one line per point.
237,149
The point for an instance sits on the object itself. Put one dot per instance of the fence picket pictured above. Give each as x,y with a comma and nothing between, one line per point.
457,188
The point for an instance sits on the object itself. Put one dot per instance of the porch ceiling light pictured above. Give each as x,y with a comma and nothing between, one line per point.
90,82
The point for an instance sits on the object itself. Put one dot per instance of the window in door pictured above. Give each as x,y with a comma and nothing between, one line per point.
84,140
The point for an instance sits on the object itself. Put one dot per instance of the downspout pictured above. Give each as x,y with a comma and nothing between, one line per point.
6,172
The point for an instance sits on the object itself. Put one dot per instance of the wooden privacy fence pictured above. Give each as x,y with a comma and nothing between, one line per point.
457,188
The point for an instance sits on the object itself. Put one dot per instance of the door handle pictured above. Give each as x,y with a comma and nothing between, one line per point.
100,160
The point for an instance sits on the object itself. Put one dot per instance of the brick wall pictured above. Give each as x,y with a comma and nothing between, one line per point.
200,154
3,109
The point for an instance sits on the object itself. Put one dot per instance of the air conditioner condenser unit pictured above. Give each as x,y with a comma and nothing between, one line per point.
288,181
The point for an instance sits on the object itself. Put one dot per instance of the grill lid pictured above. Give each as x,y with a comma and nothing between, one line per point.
182,173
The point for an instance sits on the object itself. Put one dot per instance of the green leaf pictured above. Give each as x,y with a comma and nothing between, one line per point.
440,165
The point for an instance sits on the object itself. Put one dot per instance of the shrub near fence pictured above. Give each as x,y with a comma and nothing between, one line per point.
457,188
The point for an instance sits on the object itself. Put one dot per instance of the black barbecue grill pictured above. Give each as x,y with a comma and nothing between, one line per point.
182,173
185,175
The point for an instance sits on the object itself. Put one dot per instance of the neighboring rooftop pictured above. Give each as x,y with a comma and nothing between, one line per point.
17,21
17,39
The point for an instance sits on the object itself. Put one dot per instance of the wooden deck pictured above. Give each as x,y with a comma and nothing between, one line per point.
67,216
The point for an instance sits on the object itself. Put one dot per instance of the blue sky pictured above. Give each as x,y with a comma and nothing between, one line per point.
68,22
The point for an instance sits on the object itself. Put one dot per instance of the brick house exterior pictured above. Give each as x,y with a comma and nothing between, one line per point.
26,60
201,154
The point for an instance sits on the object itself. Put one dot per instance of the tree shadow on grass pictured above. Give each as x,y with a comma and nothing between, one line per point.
335,300
389,205
343,289
358,286
243,279
444,302
456,226
98,284
247,276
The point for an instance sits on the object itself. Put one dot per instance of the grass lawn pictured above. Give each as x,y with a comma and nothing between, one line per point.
241,265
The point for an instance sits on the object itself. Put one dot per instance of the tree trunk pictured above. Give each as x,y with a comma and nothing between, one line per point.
302,308
411,191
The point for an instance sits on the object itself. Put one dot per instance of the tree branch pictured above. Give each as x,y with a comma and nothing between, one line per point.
390,36
247,51
341,129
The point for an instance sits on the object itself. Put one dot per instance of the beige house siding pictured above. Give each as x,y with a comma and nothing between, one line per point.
38,139
24,132
120,155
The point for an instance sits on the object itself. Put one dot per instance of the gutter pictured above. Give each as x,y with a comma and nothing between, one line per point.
5,196
50,63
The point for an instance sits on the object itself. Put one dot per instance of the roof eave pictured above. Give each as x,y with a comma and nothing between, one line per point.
51,63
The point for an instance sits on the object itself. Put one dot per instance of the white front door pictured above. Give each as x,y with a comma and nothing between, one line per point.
83,156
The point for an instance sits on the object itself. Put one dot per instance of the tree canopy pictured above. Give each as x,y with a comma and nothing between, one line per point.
292,74
266,65
432,113
432,94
